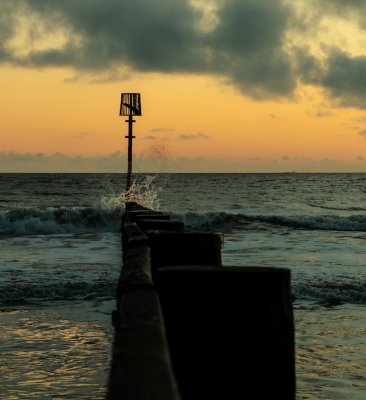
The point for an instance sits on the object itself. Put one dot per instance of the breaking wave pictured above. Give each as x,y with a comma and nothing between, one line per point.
323,222
105,216
62,220
52,220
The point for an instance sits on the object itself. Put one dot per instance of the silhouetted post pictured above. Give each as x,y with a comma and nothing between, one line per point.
129,137
130,106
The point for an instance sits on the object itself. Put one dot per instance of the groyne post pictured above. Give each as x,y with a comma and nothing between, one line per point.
141,367
189,328
129,162
130,106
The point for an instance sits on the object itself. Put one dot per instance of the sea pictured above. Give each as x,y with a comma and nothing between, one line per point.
60,259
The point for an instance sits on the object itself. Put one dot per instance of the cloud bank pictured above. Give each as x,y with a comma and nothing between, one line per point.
39,162
156,160
245,43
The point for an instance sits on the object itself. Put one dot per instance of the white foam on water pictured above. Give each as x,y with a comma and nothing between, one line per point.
143,191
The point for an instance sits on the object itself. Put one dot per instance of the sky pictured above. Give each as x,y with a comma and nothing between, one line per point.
226,85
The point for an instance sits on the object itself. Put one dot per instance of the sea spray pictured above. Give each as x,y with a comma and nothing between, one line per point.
154,158
57,220
102,216
143,191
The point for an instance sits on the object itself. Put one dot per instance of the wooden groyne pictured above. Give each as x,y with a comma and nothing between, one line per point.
187,327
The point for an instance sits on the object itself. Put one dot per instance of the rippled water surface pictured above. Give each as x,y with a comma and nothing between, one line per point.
55,350
60,259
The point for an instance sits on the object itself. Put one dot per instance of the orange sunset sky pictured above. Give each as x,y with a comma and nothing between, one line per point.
226,86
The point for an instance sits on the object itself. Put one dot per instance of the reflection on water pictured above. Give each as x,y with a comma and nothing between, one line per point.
54,352
330,351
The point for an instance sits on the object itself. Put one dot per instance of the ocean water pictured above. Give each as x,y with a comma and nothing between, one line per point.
60,258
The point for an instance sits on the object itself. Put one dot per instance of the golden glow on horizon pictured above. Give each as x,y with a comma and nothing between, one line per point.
188,116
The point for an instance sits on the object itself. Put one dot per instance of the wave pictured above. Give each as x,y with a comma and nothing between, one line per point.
337,208
331,293
34,292
327,293
62,220
322,222
56,220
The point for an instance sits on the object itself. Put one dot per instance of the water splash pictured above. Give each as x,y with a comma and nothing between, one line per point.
143,191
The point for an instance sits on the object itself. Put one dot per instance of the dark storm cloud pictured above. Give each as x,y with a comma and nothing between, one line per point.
6,30
247,45
144,34
345,78
342,75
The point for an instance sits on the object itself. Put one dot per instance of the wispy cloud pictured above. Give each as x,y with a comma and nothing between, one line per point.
323,114
363,133
361,119
193,136
150,137
82,135
254,158
162,129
